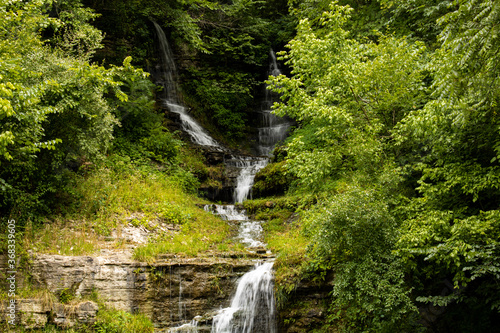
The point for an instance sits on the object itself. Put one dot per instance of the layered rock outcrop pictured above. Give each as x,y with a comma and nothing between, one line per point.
36,313
170,291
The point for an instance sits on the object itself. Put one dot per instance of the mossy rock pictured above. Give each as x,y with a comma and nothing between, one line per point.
271,180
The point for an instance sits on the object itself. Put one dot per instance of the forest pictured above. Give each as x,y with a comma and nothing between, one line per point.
387,189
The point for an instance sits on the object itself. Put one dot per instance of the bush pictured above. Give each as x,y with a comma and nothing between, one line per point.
117,321
271,180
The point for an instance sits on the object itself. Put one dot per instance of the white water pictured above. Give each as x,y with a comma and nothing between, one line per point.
171,96
190,126
275,129
181,303
252,308
246,178
227,212
191,327
249,232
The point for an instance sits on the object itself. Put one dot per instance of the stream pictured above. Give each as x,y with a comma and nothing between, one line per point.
252,308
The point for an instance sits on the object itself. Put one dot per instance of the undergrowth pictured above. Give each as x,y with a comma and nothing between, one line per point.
108,319
119,193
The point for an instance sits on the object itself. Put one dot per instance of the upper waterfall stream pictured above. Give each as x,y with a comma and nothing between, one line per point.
171,95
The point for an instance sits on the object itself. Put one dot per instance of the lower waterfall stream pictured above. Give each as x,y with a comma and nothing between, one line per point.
252,308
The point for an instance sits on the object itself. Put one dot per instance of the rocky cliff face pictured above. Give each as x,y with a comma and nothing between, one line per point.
305,310
216,187
170,291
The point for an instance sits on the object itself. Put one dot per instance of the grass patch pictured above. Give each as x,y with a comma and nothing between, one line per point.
290,246
114,195
108,319
64,237
201,232
290,203
118,321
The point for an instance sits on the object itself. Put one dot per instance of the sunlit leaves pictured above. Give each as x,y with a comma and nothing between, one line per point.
455,228
433,107
353,234
462,246
56,109
345,94
74,33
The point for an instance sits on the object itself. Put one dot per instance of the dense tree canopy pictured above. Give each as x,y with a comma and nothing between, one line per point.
58,109
409,119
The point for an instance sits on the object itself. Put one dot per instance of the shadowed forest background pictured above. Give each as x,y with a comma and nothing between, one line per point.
386,191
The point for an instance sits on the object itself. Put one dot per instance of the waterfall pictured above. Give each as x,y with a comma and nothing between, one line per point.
274,129
227,212
171,95
191,327
168,68
181,303
245,180
249,232
252,308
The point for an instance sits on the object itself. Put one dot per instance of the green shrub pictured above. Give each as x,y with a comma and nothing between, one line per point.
173,213
117,321
272,180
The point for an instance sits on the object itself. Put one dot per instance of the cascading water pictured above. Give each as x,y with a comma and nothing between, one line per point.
252,308
171,96
274,129
249,232
249,168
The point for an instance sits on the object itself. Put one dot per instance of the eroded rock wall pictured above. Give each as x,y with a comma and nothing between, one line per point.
169,291
305,309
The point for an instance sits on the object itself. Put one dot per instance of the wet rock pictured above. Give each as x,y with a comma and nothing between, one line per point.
71,315
306,308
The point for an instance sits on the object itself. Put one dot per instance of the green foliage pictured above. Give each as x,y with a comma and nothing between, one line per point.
223,86
288,202
74,34
416,18
394,162
431,216
346,96
221,50
58,109
119,321
223,98
271,180
349,226
66,295
130,33
353,234
449,228
370,295
173,213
